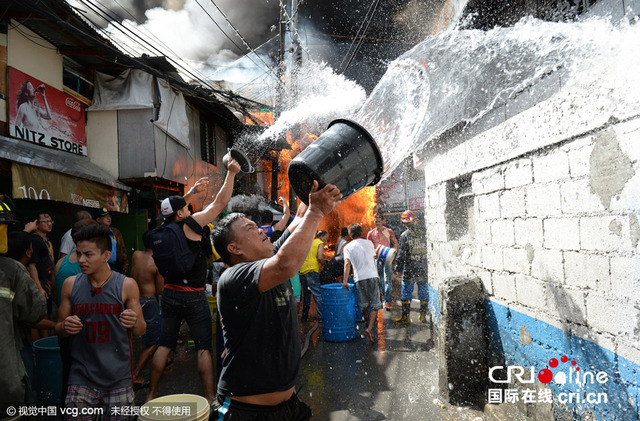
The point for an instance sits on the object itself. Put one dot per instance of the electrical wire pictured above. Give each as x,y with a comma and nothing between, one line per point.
290,20
109,18
239,35
355,51
30,38
353,37
241,58
230,98
114,20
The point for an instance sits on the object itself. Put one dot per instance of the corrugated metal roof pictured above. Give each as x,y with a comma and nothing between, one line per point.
78,166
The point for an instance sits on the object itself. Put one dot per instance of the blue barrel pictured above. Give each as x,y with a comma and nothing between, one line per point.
48,377
358,311
338,318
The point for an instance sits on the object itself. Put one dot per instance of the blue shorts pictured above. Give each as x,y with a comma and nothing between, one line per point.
153,317
193,307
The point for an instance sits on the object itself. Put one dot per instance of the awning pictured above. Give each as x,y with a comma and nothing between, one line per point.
41,173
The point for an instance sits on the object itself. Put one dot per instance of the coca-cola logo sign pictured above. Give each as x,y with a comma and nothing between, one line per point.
74,108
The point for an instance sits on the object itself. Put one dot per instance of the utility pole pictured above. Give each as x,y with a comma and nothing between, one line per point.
296,62
291,44
280,94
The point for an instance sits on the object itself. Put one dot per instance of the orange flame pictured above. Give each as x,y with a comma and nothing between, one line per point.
357,208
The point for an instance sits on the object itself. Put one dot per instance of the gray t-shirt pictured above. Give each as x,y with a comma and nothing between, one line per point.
261,333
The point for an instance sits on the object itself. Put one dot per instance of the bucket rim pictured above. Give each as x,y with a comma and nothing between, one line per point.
334,285
46,344
376,150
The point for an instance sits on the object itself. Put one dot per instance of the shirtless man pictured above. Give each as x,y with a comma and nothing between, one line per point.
151,284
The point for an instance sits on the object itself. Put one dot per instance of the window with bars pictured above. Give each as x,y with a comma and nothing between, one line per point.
208,142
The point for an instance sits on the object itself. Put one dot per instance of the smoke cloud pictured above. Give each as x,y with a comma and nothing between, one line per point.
187,30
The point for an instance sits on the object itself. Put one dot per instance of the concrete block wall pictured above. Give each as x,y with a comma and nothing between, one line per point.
554,231
556,240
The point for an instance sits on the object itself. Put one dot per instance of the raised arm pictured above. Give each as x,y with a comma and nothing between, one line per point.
46,114
286,213
290,257
198,187
210,213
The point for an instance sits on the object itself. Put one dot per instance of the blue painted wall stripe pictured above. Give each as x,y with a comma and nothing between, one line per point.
505,325
547,341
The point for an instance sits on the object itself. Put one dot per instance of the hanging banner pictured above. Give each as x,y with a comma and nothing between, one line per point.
41,114
40,184
391,193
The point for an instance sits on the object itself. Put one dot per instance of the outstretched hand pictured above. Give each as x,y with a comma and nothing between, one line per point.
233,167
325,199
201,185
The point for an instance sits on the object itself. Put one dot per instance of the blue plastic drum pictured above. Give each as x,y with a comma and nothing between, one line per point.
338,313
48,370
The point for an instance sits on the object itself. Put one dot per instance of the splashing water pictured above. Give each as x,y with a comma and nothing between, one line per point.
318,97
460,75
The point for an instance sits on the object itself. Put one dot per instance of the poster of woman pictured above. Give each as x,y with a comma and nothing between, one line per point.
41,114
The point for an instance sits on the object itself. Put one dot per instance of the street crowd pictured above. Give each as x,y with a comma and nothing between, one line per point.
270,274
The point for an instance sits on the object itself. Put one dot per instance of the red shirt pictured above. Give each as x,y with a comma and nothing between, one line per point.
383,237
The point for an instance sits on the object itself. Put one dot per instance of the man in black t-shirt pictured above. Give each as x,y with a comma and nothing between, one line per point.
257,310
183,295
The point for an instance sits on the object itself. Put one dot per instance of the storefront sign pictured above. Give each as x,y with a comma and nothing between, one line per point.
41,114
40,184
416,203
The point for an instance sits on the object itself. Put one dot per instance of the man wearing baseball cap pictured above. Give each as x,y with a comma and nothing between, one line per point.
118,260
183,296
171,205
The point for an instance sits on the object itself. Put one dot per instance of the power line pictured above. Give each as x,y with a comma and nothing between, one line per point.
149,47
290,20
202,79
229,38
355,37
355,51
228,66
240,36
152,35
232,99
140,42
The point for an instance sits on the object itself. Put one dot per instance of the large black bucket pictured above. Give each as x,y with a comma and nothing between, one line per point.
344,155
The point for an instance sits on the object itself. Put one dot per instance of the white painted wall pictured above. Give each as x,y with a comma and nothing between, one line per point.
556,213
34,56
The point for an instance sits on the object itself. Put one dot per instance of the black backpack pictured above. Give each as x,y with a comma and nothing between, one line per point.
170,246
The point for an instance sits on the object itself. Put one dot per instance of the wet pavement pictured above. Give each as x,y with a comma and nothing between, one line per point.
395,378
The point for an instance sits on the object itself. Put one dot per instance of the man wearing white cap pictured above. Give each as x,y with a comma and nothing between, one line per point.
184,296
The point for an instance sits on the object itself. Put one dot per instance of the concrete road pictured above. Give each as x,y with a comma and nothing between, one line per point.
393,379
